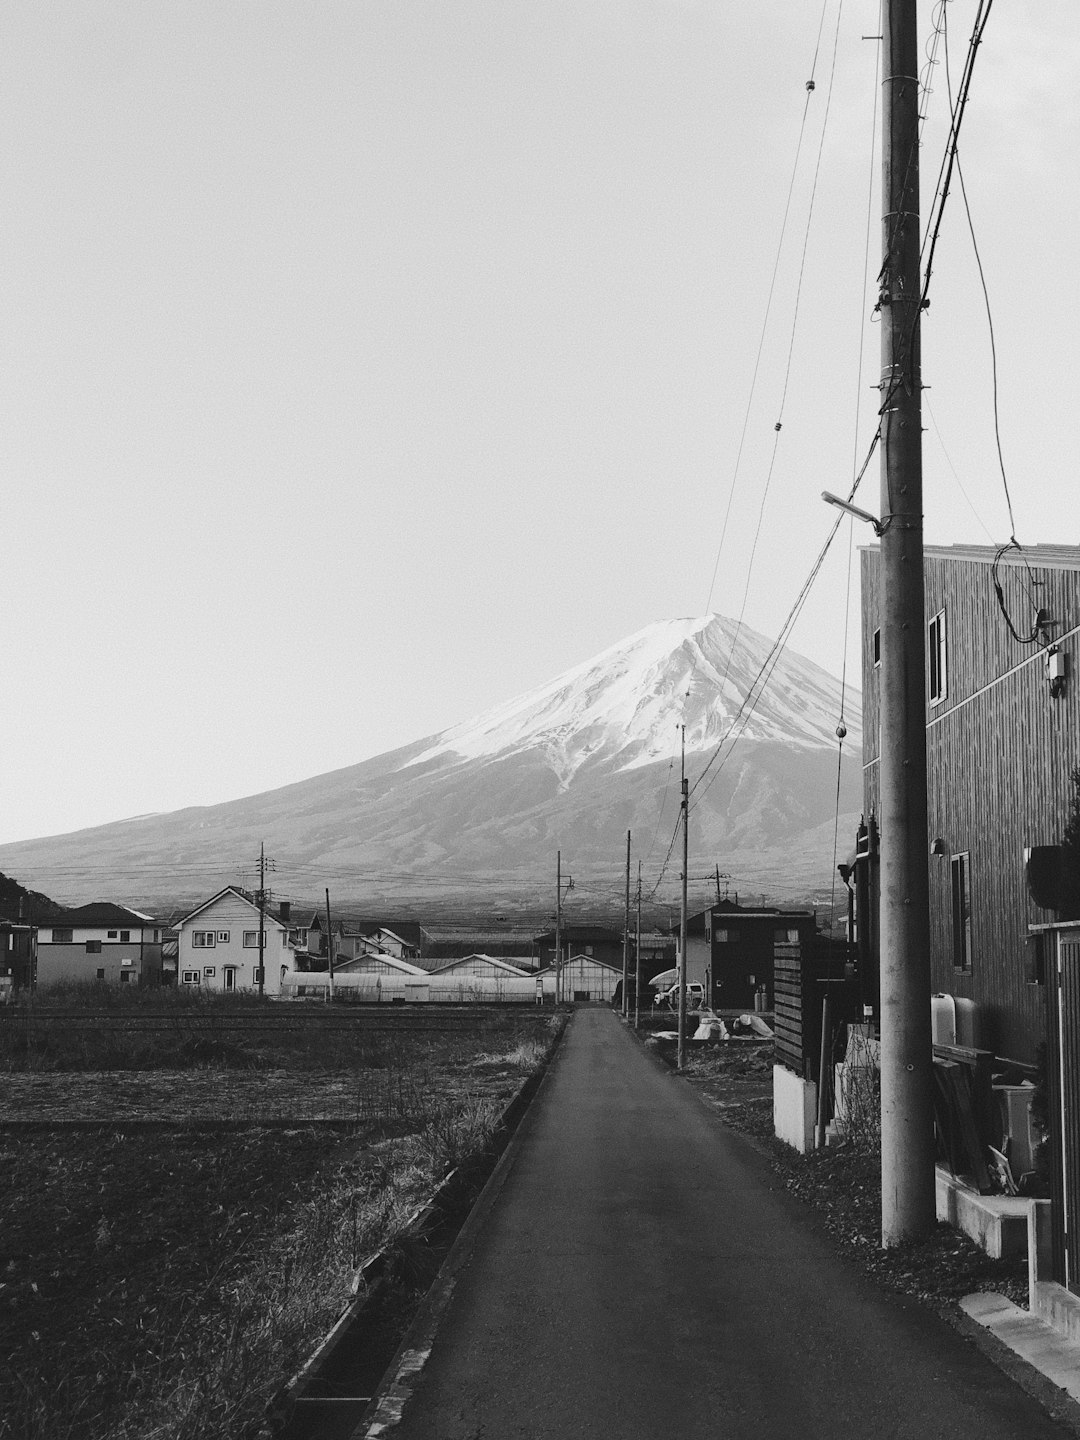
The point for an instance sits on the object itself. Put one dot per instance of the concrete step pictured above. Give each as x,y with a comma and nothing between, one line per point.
1046,1349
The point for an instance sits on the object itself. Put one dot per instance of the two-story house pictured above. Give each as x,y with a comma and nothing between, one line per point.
1003,744
100,941
218,945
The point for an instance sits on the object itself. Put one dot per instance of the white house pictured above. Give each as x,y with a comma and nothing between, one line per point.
219,945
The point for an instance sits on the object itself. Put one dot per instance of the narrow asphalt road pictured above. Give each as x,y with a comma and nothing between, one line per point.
641,1277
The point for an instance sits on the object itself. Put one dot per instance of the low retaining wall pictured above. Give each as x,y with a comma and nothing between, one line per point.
794,1109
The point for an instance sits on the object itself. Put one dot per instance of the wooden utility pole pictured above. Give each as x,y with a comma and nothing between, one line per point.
262,918
329,948
626,935
907,1136
637,954
685,807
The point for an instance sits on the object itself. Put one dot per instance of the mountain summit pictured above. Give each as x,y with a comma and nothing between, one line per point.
625,704
482,807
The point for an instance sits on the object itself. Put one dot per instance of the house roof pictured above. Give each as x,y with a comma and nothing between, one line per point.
582,935
410,931
1061,557
271,919
102,914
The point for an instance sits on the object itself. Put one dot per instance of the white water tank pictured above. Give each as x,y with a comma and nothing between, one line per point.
953,1021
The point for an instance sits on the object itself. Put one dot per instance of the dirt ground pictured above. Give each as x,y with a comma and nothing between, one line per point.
138,1250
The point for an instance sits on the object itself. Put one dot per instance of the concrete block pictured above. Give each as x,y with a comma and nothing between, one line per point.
1057,1307
997,1223
794,1109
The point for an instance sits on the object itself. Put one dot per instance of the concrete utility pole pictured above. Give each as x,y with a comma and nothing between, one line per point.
626,935
685,807
637,954
329,949
558,926
262,918
907,1137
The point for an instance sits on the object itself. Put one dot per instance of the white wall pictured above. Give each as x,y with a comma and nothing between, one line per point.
231,915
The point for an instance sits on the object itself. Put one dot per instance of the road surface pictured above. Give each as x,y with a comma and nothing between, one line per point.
642,1276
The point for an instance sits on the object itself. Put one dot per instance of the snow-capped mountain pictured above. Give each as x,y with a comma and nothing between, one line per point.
571,765
626,702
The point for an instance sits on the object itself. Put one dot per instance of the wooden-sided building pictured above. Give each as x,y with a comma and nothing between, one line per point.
1003,740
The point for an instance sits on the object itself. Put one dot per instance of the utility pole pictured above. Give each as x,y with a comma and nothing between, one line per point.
558,927
329,949
637,954
626,935
685,807
907,1138
262,918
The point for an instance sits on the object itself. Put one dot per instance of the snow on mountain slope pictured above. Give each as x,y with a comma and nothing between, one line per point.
626,703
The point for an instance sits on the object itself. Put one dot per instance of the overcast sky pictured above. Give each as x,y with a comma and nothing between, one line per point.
366,363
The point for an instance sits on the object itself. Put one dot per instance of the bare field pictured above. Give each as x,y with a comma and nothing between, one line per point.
160,1278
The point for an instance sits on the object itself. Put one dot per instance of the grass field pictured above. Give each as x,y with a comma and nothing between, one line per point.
167,1257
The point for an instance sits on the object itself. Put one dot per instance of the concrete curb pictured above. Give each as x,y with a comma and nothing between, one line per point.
378,1272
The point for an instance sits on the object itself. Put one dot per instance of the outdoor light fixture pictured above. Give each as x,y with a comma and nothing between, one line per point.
846,505
939,847
1055,670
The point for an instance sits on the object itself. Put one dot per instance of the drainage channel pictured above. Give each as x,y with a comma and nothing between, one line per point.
328,1396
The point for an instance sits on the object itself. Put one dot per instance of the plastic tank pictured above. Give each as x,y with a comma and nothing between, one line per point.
954,1021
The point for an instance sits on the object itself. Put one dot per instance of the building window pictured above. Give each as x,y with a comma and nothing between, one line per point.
223,937
210,970
202,939
785,937
257,975
100,974
62,935
189,977
588,949
936,659
93,947
961,912
125,936
112,934
251,939
877,647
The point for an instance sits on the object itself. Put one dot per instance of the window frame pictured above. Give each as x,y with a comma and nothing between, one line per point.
937,658
203,939
190,977
960,910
